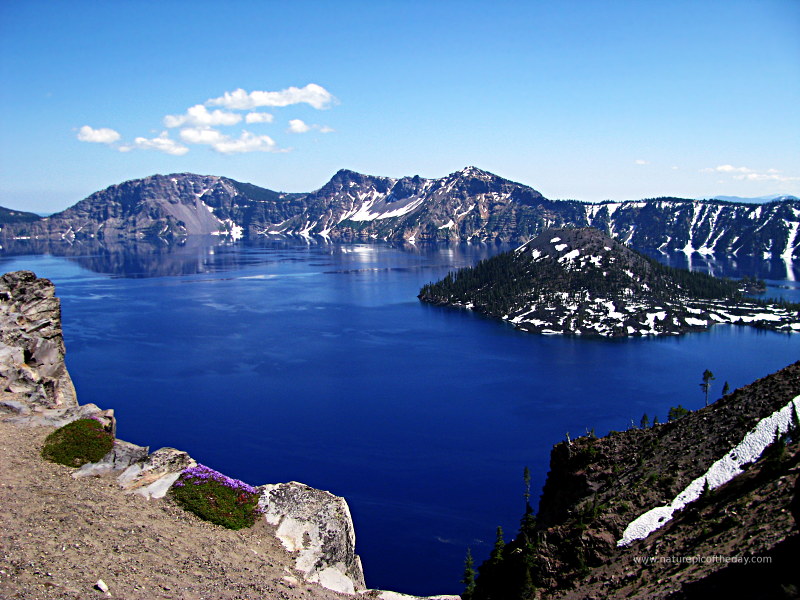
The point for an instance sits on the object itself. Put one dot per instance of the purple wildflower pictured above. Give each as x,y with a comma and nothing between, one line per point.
201,473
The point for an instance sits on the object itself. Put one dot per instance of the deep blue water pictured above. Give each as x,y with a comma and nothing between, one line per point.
287,361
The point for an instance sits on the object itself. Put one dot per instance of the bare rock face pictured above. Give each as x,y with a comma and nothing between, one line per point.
122,455
58,417
153,477
32,369
318,526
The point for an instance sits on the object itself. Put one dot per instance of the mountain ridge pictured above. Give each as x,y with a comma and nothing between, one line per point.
471,205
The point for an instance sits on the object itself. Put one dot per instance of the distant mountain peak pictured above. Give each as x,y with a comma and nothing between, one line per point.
474,172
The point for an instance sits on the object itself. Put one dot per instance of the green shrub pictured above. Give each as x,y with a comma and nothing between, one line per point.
77,443
217,498
677,412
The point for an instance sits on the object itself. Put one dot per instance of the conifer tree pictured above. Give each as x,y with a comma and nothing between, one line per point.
526,476
469,576
708,377
499,546
645,422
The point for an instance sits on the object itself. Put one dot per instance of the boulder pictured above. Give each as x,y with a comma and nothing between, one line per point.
152,477
122,455
317,526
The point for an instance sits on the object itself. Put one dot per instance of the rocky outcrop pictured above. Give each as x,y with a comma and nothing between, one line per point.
122,455
58,417
317,526
32,367
153,476
467,205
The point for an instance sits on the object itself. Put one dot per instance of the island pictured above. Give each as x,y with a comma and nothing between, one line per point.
579,281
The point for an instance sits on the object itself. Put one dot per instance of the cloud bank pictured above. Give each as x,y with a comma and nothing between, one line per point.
199,126
314,95
162,143
199,115
748,174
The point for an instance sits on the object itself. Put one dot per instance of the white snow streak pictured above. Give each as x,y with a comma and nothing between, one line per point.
721,472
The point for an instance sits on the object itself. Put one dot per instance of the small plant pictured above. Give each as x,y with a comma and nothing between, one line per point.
216,498
77,443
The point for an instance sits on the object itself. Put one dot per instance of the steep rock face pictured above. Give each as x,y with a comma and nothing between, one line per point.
32,369
318,526
155,206
467,205
705,226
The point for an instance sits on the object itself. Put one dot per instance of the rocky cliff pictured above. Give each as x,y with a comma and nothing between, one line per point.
703,506
31,345
468,205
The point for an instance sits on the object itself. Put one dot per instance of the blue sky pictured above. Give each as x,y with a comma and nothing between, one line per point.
585,99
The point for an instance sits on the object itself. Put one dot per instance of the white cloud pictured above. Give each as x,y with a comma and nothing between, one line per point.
298,126
199,115
162,143
246,142
312,94
200,124
768,176
747,174
258,117
99,136
201,135
640,161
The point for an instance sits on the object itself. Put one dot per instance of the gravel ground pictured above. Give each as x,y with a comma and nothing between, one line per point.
59,536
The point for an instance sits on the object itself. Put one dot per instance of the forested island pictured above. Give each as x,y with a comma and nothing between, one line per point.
580,281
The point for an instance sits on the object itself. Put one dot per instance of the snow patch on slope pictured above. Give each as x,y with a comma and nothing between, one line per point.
721,472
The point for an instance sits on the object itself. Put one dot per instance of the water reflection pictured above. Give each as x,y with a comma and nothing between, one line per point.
211,254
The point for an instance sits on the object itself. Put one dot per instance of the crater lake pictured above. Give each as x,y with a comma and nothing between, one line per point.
282,360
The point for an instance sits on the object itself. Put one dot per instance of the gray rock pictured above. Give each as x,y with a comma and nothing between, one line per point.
318,526
32,368
58,417
122,455
155,475
14,406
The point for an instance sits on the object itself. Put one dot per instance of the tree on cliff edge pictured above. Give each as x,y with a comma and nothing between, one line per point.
708,377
